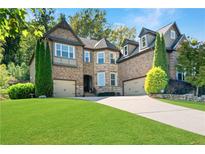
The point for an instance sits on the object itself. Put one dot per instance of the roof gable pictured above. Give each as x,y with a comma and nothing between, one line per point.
132,42
98,44
64,26
145,31
165,28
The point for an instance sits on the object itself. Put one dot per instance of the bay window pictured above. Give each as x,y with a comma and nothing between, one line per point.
87,56
112,58
100,57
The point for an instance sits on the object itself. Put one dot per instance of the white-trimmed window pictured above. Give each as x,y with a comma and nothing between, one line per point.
87,56
180,76
113,79
112,58
125,51
173,34
144,41
101,79
65,51
100,57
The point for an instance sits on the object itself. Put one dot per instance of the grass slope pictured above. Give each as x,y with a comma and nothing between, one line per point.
71,121
189,104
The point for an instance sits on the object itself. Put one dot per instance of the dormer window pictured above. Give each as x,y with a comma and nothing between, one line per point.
125,52
144,41
173,34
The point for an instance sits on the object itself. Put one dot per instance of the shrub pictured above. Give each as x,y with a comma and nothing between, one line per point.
155,81
3,94
21,90
178,87
106,94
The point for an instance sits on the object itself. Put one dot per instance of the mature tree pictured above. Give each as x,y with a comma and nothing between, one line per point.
12,26
4,77
44,17
90,23
19,72
48,72
26,48
119,33
191,61
61,17
12,23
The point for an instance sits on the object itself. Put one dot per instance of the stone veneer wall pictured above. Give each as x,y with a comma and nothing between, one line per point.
172,59
107,68
188,97
89,67
72,73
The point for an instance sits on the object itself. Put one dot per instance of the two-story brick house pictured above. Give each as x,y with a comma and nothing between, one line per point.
83,66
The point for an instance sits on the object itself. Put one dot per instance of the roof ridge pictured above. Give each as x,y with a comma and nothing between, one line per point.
171,23
98,43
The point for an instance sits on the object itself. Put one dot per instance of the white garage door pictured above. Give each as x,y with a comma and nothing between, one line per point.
63,88
134,87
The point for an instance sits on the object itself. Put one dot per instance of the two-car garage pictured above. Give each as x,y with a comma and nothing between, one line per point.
63,88
134,87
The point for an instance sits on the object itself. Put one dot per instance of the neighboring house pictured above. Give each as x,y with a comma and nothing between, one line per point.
83,66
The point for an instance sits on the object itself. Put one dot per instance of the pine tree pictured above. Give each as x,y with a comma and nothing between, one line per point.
37,67
157,61
48,72
164,64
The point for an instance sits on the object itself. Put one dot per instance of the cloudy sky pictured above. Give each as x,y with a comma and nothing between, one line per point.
190,21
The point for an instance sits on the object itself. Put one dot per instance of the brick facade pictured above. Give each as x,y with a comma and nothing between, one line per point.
135,67
131,68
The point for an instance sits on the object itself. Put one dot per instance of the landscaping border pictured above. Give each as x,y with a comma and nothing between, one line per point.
187,97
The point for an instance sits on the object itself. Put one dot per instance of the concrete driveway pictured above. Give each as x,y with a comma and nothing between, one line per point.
177,116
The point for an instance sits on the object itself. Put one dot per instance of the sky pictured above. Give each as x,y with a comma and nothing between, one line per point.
191,22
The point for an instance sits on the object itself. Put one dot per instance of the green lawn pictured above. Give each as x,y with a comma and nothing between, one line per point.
189,104
71,121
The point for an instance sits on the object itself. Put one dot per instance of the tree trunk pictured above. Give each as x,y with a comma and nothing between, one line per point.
197,91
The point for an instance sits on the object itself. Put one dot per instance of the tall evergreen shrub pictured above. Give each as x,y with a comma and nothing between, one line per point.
48,72
37,67
157,61
42,75
160,54
164,64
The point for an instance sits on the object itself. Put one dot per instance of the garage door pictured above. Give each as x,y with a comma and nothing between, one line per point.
63,88
134,87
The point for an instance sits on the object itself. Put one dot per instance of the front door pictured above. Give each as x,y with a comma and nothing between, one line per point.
87,83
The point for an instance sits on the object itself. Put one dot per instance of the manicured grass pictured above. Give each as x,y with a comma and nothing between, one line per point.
71,121
189,104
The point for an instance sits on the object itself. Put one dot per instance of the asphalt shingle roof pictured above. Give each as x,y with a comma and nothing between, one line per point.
98,44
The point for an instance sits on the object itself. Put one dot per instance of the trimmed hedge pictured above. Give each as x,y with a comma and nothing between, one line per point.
21,90
106,94
156,80
178,87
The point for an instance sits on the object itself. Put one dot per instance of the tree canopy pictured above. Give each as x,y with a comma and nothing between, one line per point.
191,61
